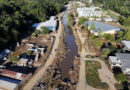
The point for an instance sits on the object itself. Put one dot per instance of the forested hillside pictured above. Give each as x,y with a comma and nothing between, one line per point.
120,6
16,17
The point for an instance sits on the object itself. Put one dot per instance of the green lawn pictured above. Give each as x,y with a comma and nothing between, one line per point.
92,76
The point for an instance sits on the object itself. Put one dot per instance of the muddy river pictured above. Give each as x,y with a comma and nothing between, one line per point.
72,48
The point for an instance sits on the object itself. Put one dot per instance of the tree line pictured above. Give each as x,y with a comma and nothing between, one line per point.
120,6
17,17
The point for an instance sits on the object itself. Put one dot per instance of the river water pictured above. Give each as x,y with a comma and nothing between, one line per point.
72,48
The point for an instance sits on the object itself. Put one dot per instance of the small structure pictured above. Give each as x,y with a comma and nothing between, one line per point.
108,19
51,24
89,12
4,53
105,28
114,62
126,45
22,62
12,74
121,60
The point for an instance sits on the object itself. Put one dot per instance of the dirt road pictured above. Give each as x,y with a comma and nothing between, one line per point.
41,72
105,74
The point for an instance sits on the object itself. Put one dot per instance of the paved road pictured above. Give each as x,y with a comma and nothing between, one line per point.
41,72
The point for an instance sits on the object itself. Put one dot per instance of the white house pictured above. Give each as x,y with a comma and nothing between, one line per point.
126,45
89,11
51,24
121,60
108,19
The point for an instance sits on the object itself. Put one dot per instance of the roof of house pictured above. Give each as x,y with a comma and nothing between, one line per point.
51,24
100,25
126,43
114,59
124,58
4,52
13,74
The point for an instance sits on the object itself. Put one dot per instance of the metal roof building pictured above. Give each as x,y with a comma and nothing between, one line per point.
121,60
126,44
100,25
51,24
124,58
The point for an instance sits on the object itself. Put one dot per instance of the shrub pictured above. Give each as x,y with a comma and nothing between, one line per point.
76,14
97,42
120,77
105,52
82,20
28,52
112,48
44,30
14,59
119,86
70,19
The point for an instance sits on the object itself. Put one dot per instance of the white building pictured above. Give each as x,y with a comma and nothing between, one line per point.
121,60
89,12
108,19
126,45
51,24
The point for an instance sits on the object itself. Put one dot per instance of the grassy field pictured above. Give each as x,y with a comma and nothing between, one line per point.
92,76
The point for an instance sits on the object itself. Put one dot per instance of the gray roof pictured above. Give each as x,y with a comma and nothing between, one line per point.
4,52
126,43
114,59
100,25
124,58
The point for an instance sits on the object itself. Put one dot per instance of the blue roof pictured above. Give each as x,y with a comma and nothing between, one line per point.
100,25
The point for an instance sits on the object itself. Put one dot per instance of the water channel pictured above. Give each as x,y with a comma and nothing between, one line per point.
72,48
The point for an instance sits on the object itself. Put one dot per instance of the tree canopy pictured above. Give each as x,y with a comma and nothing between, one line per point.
44,30
105,52
127,35
92,27
17,17
70,19
97,42
119,6
82,20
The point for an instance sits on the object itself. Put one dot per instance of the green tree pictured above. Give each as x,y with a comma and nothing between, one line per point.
85,27
112,48
124,11
105,52
82,20
100,33
14,59
92,27
28,52
76,14
126,21
97,42
121,77
70,19
109,37
127,35
44,30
